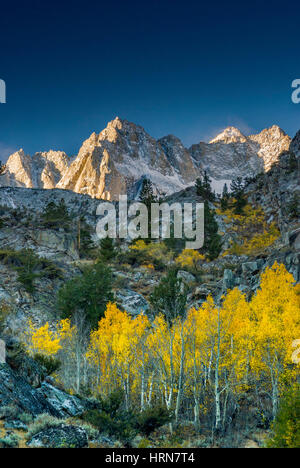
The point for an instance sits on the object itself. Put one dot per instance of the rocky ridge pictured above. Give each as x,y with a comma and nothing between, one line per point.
116,161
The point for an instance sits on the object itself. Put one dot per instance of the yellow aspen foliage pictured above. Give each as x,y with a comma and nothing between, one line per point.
190,258
114,347
41,340
153,250
276,325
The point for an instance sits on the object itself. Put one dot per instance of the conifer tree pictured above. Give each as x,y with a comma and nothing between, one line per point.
224,198
107,249
293,206
212,240
292,163
147,194
56,216
237,188
203,187
169,297
84,238
147,197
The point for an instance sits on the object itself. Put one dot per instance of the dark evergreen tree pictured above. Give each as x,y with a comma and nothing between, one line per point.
147,197
293,163
87,294
169,297
203,187
56,216
84,239
212,240
147,193
225,198
107,250
237,188
293,206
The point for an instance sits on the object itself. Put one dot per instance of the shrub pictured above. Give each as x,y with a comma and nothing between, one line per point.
190,259
88,293
56,216
10,441
41,423
112,419
107,250
9,412
50,363
169,297
152,418
26,418
144,443
286,428
140,252
29,266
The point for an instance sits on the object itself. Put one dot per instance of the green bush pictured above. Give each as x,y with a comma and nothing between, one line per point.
29,266
152,418
88,294
107,251
50,363
10,441
286,427
169,297
56,216
41,423
112,419
9,412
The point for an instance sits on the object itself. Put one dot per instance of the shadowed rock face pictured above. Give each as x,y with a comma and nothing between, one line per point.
16,391
116,161
295,145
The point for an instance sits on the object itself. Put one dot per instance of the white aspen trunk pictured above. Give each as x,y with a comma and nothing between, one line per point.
78,370
169,402
181,372
217,391
274,397
143,388
149,398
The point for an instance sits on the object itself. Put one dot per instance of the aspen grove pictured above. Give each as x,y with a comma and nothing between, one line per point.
198,365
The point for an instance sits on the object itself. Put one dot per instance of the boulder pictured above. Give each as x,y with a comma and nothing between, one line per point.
64,404
229,279
186,277
16,391
131,301
63,436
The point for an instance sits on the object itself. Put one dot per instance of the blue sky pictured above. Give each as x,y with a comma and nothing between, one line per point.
187,68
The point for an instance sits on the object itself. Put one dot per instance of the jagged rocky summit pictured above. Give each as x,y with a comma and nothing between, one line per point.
117,160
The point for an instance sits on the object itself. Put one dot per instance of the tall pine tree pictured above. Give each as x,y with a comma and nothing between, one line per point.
212,240
147,197
225,198
107,250
203,187
237,188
